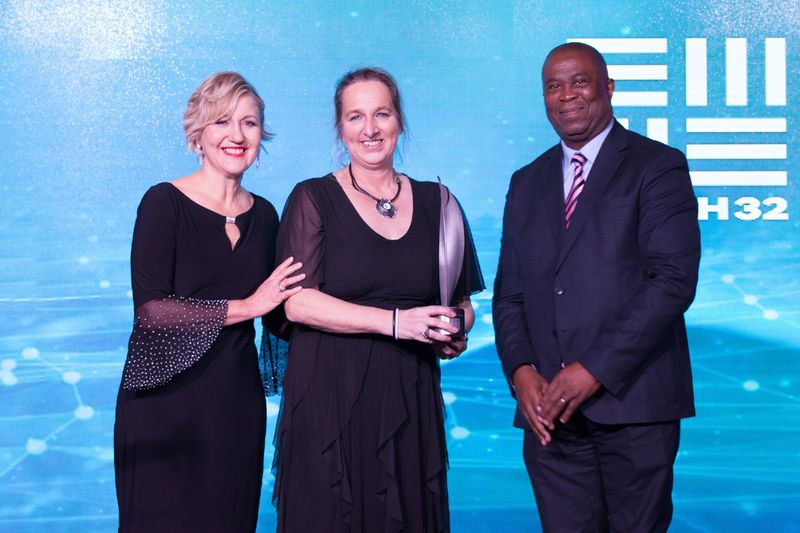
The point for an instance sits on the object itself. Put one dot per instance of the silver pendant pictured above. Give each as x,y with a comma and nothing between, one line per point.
386,208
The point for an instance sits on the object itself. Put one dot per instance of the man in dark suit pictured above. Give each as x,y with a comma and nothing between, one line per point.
598,264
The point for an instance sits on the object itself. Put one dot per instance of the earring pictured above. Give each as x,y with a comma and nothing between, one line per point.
200,157
258,160
343,153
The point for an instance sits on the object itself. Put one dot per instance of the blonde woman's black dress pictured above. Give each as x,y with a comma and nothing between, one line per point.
190,421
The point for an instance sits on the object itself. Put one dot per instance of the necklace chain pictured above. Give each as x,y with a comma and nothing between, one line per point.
384,206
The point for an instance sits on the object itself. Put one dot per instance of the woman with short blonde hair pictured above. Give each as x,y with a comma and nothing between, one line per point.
190,420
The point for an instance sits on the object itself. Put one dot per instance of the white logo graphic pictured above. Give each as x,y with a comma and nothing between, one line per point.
736,139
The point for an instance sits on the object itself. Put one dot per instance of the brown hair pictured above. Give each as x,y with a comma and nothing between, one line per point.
216,97
368,74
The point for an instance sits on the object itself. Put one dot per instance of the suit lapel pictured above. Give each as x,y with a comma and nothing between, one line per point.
553,193
601,174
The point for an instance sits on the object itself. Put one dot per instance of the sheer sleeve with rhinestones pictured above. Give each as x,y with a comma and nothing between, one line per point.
273,353
170,333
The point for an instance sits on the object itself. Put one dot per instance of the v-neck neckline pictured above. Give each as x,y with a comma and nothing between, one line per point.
223,217
231,246
364,223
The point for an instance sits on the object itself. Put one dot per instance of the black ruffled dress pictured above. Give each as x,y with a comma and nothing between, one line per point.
360,444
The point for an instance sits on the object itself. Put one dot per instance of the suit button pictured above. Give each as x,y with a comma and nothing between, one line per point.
559,291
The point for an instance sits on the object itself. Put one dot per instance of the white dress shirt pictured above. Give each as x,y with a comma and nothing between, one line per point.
589,151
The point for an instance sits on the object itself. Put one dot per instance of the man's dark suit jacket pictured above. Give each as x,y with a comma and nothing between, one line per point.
611,291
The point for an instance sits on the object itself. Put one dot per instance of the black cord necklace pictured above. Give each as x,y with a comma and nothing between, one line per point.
384,206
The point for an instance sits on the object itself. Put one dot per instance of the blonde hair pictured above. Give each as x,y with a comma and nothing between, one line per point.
215,98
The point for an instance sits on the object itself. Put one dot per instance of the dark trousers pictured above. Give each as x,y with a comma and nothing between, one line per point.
597,478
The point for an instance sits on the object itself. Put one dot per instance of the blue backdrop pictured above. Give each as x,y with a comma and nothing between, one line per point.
91,96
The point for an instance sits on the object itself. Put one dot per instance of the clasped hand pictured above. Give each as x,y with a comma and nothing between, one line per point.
542,403
423,324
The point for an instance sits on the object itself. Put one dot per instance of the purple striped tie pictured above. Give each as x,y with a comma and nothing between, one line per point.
578,160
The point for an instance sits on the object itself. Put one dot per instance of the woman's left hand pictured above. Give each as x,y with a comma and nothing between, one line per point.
451,348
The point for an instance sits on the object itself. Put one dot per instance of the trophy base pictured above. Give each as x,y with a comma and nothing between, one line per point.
457,321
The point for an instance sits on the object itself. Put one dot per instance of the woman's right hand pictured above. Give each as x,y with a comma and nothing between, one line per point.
276,288
421,324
